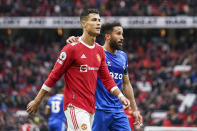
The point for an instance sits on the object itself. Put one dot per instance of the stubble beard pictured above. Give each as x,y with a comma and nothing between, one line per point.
115,46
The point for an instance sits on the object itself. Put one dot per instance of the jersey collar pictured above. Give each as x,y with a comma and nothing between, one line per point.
91,47
108,51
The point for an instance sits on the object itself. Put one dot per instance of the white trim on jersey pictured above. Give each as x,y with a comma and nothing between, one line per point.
46,88
91,47
114,88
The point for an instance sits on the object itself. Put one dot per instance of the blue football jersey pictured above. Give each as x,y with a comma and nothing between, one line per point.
117,65
56,108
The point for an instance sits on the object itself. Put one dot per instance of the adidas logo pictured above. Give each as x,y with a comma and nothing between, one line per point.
83,56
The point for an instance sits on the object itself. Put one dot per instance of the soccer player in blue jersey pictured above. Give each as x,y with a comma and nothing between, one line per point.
54,108
109,115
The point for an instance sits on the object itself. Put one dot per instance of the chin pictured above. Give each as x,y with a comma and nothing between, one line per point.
119,48
98,33
94,33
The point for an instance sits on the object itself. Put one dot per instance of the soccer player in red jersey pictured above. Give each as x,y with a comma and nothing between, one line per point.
81,63
109,114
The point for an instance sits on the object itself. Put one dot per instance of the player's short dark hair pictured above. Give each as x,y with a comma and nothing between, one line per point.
86,12
107,28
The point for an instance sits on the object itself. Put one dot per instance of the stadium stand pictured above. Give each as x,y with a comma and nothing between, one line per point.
106,7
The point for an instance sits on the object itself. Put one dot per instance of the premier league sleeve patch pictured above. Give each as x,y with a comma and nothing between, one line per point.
61,58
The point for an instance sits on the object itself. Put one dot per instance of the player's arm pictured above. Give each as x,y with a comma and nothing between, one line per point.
128,91
47,110
32,107
62,64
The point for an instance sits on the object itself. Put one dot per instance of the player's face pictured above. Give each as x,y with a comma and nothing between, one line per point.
117,38
93,24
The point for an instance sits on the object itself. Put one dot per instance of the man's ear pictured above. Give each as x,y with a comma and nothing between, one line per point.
83,23
107,36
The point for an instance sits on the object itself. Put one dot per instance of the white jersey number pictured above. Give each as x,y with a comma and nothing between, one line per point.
55,106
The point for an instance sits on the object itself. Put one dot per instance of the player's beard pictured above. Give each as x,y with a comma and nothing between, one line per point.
114,45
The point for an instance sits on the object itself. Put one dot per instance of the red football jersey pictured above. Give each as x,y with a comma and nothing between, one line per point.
80,65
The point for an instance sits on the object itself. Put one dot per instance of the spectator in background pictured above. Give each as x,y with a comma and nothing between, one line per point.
29,125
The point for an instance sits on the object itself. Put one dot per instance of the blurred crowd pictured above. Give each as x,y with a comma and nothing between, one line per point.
152,61
106,7
26,58
25,62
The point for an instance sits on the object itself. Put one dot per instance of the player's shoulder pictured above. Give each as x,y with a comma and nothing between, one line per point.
121,52
99,47
52,97
72,45
58,96
100,50
97,44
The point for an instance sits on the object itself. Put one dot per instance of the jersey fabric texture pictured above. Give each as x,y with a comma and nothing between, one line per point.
117,65
81,64
57,118
109,115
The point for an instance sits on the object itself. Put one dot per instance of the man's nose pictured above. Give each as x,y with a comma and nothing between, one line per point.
99,23
122,37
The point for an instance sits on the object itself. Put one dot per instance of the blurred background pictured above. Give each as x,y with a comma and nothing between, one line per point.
160,41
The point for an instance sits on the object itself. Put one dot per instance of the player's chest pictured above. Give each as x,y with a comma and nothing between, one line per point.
116,64
89,58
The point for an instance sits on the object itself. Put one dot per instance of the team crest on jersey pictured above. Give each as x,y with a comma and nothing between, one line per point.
98,57
84,126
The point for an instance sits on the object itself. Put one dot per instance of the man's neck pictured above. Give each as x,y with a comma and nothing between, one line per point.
107,48
87,39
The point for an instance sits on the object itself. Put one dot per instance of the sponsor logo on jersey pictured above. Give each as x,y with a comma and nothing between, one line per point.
83,56
61,58
116,75
85,68
84,126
